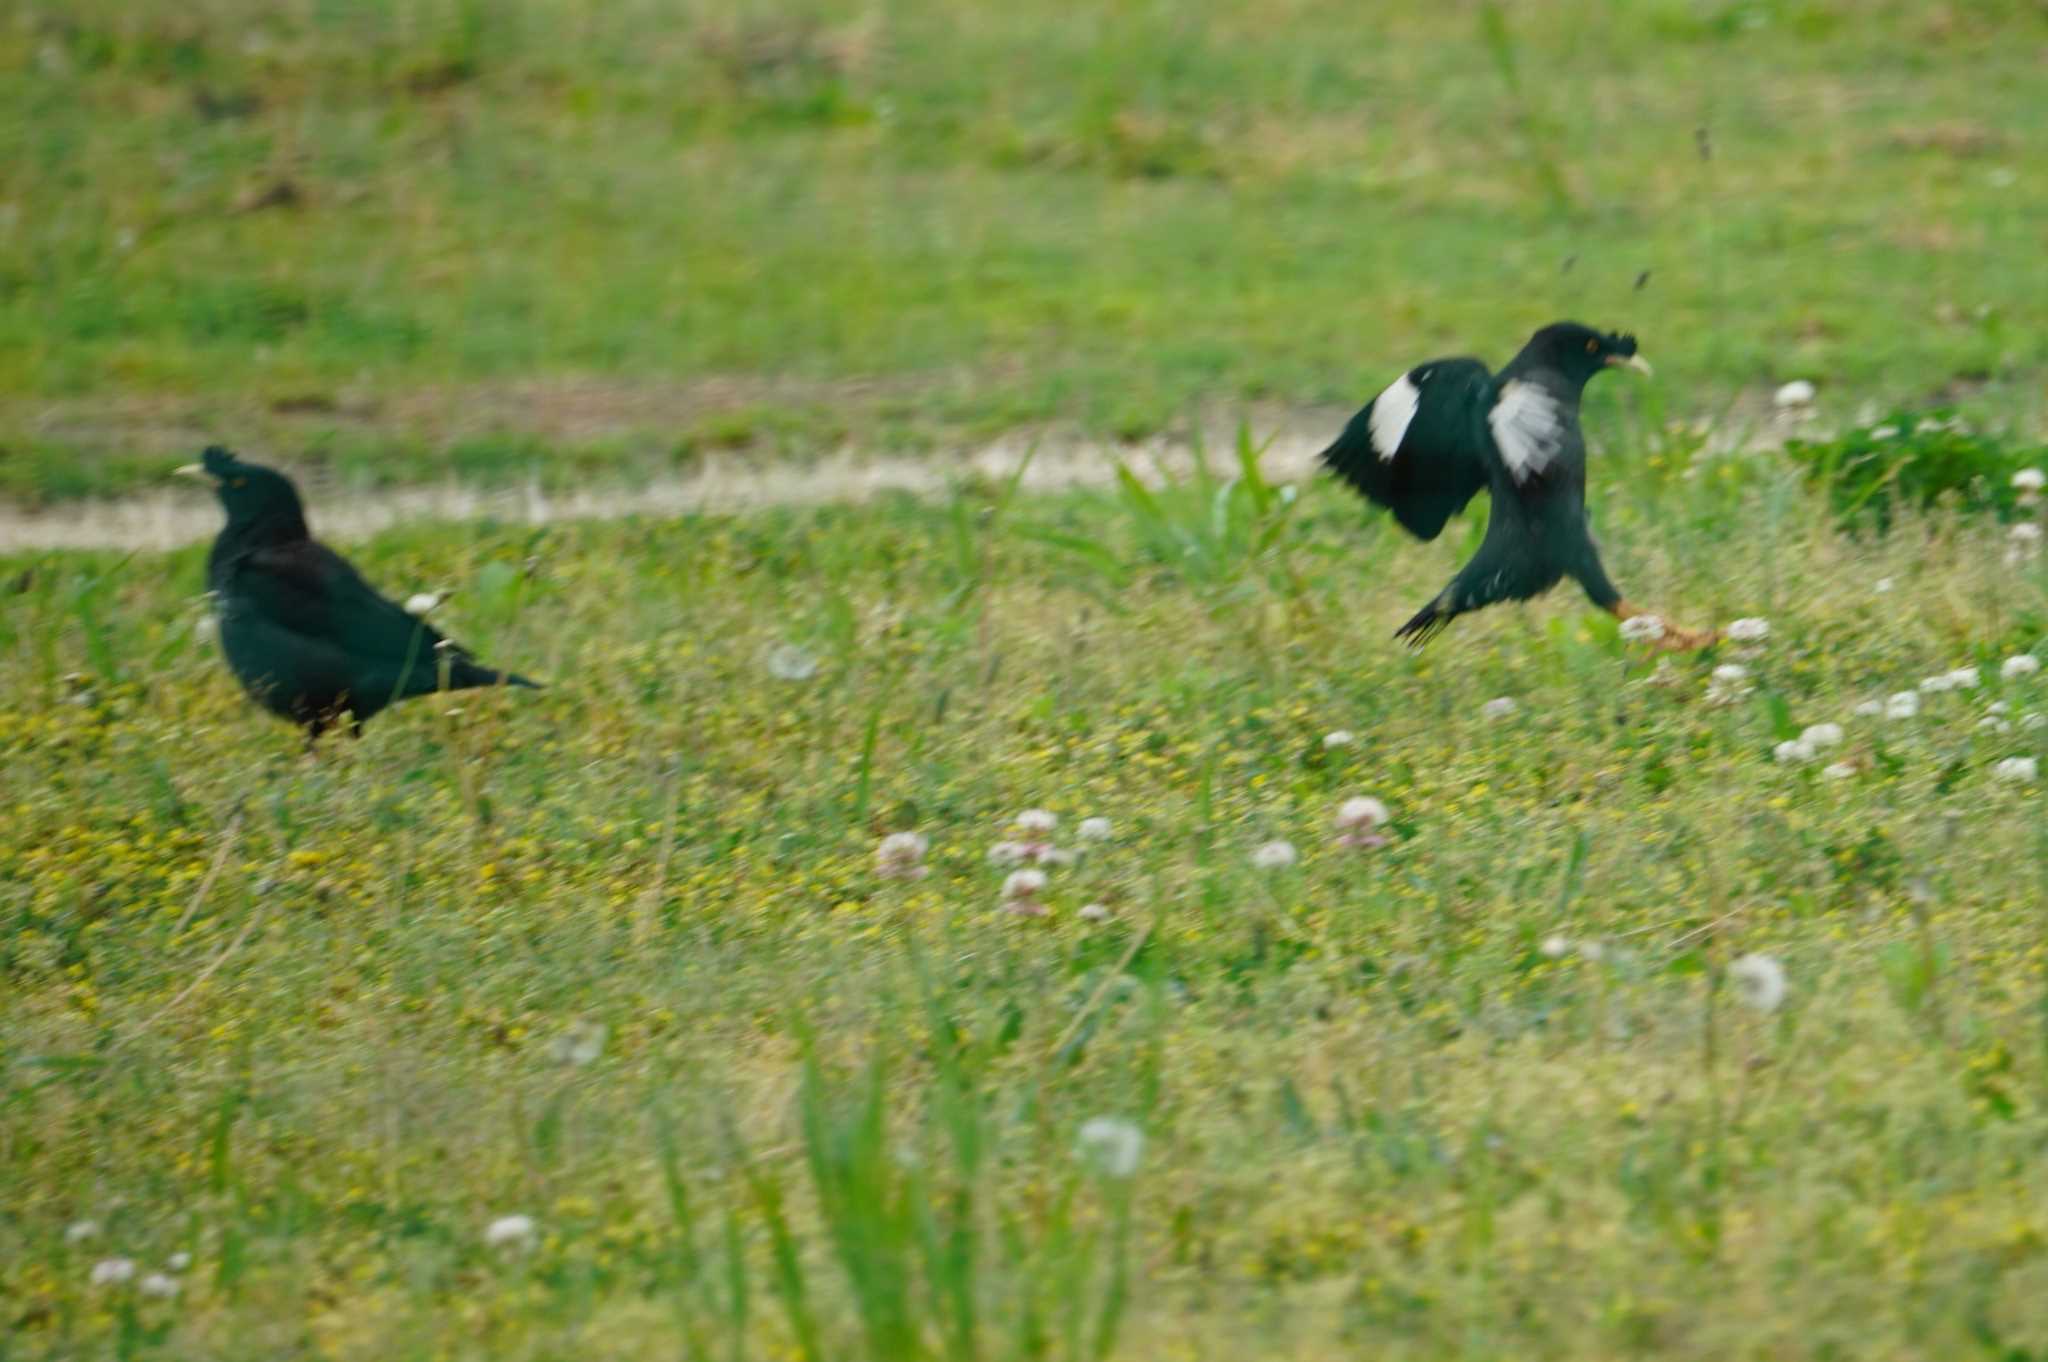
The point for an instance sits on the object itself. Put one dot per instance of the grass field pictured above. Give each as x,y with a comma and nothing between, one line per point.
319,1023
403,239
593,1023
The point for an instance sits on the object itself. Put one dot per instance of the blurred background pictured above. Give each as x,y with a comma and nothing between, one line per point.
403,239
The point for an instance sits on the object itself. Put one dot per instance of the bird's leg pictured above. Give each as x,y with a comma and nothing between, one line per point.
1675,639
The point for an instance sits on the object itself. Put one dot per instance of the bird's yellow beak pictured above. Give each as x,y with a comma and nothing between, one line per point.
1635,362
193,470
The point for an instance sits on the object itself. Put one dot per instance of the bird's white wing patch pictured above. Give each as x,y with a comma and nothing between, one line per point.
1527,427
1392,411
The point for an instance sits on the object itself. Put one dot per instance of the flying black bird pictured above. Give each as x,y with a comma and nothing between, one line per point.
1446,429
306,636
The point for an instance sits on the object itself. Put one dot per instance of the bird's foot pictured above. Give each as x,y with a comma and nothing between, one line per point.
1677,640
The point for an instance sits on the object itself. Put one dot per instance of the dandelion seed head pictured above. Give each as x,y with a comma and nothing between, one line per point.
788,662
1110,1145
1759,982
580,1043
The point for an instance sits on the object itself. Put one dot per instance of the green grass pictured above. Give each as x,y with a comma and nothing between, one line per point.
358,234
300,1018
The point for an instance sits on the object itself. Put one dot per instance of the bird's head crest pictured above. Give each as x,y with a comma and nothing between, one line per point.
256,498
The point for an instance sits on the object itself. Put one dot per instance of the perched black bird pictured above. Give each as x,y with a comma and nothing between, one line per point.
1446,429
306,636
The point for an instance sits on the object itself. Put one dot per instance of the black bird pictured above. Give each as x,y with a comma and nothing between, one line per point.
1446,429
306,636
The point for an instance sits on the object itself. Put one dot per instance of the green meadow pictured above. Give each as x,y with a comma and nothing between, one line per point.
1656,1018
544,238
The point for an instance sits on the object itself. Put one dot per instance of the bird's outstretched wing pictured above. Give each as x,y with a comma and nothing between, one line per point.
1420,448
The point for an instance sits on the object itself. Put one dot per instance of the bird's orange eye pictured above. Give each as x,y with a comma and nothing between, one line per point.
1593,347
239,482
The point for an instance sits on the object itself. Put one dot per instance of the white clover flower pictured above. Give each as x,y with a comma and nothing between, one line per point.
787,662
581,1042
1358,821
1882,585
1274,855
1093,912
2026,535
1821,735
1592,950
1759,981
1024,884
2019,665
178,1261
158,1285
1992,723
1361,811
1500,707
2018,770
1339,737
1009,853
510,1232
113,1272
1838,770
2030,480
1642,628
1965,678
1110,1145
78,1231
206,628
2033,721
1904,705
1869,709
423,603
900,856
1751,629
1792,751
1998,707
1797,393
1885,433
1093,829
1555,947
1035,823
1729,683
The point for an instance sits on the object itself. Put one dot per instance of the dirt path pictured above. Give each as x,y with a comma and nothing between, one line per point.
185,514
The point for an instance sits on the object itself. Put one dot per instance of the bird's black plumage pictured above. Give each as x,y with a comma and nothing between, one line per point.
306,636
1446,429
